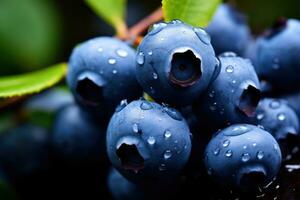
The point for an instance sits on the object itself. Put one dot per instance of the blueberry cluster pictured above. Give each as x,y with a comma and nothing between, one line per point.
186,101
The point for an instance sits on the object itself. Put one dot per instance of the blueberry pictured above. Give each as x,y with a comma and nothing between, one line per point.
175,62
234,94
77,138
148,142
24,152
293,100
281,121
101,73
277,55
229,30
121,189
243,156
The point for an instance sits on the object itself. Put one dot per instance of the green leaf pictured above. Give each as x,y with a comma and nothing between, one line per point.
30,32
19,85
193,12
112,11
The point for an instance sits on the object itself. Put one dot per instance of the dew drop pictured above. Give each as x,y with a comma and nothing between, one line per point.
260,116
245,147
122,105
173,113
229,69
100,49
274,104
228,54
202,35
154,75
140,58
245,157
260,155
254,144
226,143
156,28
281,116
211,94
276,64
216,151
122,53
151,140
234,81
146,106
167,134
167,154
112,61
228,153
150,53
114,71
135,128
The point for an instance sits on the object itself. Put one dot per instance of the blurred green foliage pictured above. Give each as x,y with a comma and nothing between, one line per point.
263,13
29,34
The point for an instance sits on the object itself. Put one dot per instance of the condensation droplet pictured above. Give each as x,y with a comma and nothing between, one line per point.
100,49
229,69
112,61
146,106
167,134
154,75
211,94
228,153
226,143
162,167
135,128
151,140
167,154
150,53
260,155
281,116
216,151
140,58
245,157
122,53
202,35
259,116
114,71
274,104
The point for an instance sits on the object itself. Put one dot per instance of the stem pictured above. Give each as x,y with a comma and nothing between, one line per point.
142,26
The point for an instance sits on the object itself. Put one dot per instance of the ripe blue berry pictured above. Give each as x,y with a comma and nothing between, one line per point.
23,151
281,121
293,100
122,189
76,137
101,73
233,95
175,62
148,142
229,30
242,156
277,55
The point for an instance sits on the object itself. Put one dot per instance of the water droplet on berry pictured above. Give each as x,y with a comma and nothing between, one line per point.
228,153
146,106
229,69
151,140
245,157
211,94
245,147
274,104
167,154
228,54
259,116
135,128
114,71
140,58
154,75
202,35
234,81
155,28
167,134
254,144
150,53
226,143
216,151
122,105
276,64
100,49
281,117
122,53
260,155
112,61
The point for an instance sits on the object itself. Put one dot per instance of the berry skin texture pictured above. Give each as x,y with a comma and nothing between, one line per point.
76,138
122,189
148,142
31,155
175,63
101,73
277,55
232,96
293,101
229,30
279,119
242,156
